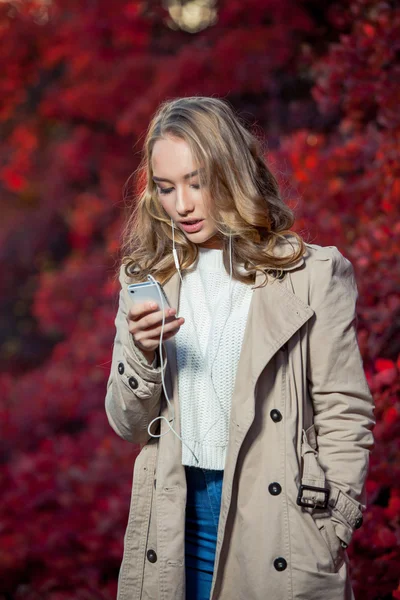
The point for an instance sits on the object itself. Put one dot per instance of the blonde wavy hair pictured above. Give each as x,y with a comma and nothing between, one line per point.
246,202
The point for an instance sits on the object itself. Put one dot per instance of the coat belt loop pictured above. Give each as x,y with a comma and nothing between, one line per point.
312,493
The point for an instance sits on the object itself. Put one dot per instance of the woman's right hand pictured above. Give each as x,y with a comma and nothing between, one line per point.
145,323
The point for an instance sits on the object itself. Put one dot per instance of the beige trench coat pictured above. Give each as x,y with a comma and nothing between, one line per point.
301,413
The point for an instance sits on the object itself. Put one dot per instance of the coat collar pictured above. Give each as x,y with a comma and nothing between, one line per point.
285,248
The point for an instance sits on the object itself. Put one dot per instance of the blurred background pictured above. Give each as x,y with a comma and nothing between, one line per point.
79,81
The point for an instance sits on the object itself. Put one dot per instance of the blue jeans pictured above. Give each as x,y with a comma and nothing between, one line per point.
203,505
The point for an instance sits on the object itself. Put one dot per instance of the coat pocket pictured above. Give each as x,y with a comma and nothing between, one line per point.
327,531
314,495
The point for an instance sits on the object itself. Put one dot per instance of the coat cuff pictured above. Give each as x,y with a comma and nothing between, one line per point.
346,513
139,364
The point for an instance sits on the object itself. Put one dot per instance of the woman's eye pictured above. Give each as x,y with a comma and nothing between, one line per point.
165,190
195,186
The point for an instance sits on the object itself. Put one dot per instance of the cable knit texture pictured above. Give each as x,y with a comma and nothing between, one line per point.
208,350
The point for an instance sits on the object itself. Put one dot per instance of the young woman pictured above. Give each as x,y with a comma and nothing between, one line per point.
255,420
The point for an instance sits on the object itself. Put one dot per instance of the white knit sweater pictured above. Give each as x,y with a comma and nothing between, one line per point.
208,349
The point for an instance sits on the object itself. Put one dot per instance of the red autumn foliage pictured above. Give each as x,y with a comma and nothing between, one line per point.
79,82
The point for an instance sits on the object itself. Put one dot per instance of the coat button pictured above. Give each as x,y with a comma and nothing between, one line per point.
275,415
274,489
121,368
133,382
280,564
358,523
151,556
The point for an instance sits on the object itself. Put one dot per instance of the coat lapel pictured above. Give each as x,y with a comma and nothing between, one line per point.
275,315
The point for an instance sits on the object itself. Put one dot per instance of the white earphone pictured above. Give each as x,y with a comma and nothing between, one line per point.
174,251
162,305
160,348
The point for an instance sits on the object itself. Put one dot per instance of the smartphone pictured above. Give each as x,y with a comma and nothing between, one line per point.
148,291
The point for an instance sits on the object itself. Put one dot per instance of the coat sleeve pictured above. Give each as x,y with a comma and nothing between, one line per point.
343,405
134,387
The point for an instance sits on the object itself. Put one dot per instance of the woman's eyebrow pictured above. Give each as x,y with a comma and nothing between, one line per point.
185,177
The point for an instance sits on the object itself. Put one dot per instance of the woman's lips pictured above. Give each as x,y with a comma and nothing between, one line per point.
192,226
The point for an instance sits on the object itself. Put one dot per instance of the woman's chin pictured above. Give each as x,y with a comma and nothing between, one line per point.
212,242
205,240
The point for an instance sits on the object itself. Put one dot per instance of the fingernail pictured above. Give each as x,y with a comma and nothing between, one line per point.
152,305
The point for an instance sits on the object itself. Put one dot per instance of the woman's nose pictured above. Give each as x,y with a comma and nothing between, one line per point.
184,204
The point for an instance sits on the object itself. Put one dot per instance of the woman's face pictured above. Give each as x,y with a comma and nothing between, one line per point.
179,191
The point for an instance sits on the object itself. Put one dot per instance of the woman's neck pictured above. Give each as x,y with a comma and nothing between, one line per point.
215,243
